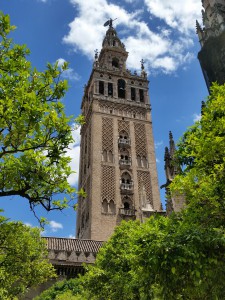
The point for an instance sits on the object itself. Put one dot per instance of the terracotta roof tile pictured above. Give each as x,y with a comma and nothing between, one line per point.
77,245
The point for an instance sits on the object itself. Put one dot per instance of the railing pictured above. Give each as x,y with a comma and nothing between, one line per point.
127,212
124,142
126,186
125,162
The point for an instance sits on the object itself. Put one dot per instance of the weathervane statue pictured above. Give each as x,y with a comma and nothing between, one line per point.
109,22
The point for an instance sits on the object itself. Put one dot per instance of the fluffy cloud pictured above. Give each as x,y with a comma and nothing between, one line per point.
74,153
196,117
164,49
69,73
178,14
55,226
158,144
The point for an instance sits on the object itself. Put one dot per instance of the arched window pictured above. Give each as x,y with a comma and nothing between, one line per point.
144,162
115,62
126,205
141,96
101,87
110,89
143,196
126,179
121,88
123,139
139,161
110,156
112,208
133,94
124,154
105,206
123,135
104,155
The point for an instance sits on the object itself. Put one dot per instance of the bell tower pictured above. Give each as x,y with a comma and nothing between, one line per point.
117,162
212,41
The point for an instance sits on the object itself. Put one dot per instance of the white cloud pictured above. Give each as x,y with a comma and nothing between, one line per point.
69,73
196,117
178,14
74,153
158,161
71,236
28,224
55,226
158,144
160,51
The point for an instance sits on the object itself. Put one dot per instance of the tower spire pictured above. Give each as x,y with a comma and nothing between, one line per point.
172,144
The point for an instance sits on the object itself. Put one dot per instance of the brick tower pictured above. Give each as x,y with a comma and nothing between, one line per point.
212,40
117,162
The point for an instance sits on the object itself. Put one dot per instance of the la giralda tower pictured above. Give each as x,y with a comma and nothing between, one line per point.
117,161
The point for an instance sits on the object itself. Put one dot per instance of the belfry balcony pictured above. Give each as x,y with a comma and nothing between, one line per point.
124,142
125,163
126,188
127,212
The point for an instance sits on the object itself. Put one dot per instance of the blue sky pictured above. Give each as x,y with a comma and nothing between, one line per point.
161,32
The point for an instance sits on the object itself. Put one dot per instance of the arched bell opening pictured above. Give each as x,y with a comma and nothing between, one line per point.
121,88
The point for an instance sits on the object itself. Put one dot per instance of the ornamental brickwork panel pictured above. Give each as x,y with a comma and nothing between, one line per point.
108,183
123,110
89,146
144,180
123,126
140,139
107,134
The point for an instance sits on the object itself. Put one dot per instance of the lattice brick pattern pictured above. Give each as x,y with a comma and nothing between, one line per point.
144,179
107,134
123,126
140,139
81,167
89,146
108,183
123,110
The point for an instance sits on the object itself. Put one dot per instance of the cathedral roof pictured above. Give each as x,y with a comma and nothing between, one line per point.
77,245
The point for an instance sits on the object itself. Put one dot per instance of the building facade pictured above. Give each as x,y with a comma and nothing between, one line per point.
117,161
212,40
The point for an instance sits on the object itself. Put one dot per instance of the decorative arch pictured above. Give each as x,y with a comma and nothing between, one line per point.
112,207
105,206
127,203
126,178
115,62
121,88
124,154
123,135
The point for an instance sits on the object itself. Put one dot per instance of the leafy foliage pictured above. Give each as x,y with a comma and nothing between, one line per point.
23,262
181,256
201,152
63,290
35,133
